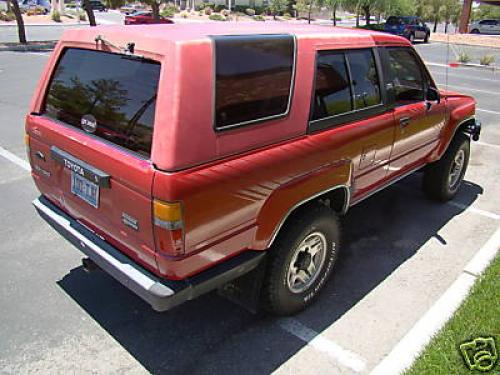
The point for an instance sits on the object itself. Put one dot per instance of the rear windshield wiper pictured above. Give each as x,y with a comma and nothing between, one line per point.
127,51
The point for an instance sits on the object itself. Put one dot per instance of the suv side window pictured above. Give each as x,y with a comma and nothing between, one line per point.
405,75
364,78
253,78
332,94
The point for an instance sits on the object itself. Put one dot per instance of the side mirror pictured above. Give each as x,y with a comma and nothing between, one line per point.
432,95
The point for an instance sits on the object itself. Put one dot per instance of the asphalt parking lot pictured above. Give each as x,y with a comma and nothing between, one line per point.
400,253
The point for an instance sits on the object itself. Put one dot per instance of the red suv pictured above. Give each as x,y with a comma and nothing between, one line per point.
185,158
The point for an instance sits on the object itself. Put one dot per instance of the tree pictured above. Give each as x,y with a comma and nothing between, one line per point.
302,6
277,7
155,7
332,5
450,12
21,31
90,12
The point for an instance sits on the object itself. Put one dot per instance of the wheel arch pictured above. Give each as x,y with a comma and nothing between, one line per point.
337,198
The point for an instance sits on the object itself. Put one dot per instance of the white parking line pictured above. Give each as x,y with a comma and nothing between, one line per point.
488,111
469,89
486,144
314,339
478,211
411,345
15,159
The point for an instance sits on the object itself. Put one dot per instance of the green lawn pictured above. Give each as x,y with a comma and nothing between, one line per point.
479,316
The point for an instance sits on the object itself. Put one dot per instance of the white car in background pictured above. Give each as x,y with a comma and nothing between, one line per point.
485,27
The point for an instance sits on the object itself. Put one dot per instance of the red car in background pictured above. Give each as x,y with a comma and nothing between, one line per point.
143,18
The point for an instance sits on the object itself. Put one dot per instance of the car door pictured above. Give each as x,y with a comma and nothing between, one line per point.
348,93
496,27
417,120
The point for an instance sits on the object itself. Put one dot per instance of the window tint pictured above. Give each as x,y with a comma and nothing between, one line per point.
110,95
253,77
364,78
406,76
332,95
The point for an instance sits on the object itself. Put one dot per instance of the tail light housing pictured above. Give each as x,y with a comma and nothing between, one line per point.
168,227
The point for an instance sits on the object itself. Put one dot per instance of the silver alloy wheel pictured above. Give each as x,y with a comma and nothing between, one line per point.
306,263
456,169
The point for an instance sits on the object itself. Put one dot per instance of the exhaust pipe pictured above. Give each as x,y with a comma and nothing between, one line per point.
89,265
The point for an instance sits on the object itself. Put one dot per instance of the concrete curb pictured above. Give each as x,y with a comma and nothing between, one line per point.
46,24
471,65
18,47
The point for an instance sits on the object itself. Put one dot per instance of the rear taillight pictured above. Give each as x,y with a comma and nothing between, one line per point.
168,227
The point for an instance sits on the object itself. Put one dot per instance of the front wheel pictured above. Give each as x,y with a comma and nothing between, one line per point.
301,260
443,178
411,38
426,39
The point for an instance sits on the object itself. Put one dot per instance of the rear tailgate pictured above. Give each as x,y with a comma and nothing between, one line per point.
90,146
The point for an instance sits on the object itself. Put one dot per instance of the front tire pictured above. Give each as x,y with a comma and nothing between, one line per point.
426,39
411,38
301,260
443,178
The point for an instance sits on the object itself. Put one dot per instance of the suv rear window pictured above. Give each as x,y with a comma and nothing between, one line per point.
253,78
110,95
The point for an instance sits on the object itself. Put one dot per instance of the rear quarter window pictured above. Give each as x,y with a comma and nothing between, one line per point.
112,96
253,78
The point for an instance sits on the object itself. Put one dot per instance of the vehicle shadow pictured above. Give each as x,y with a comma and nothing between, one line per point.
212,335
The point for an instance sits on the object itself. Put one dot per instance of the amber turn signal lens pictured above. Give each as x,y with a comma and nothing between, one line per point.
165,211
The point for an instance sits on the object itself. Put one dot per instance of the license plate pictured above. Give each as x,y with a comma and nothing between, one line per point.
84,189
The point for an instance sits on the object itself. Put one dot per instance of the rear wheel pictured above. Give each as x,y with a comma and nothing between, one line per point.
475,31
443,178
426,39
301,260
411,38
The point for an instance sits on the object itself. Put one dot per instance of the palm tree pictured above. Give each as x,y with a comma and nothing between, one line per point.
90,12
19,20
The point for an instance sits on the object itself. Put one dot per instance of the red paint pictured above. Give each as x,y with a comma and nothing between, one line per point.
235,186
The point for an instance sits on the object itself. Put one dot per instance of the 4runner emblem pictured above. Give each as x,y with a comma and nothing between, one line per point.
89,123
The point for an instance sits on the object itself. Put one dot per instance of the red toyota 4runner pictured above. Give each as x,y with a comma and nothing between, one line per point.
179,158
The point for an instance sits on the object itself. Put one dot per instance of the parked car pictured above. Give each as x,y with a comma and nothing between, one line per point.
129,9
485,27
410,27
30,4
97,5
144,17
233,178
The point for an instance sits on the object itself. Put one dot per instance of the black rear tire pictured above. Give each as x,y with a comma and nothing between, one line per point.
442,179
280,296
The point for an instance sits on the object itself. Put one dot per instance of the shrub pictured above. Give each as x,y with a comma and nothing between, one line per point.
208,11
219,7
250,12
56,16
487,59
7,16
259,18
225,12
184,14
82,16
216,17
168,11
464,57
287,16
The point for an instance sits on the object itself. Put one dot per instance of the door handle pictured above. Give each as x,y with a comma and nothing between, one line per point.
404,121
